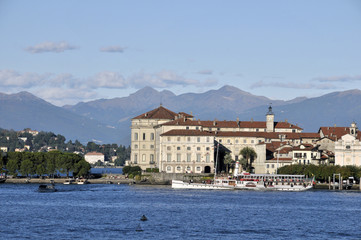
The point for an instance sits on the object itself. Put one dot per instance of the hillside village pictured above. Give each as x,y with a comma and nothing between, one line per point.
178,143
29,140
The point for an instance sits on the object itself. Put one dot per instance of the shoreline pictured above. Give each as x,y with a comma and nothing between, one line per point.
123,180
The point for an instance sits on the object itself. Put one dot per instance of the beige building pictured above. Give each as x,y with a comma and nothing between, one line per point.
348,150
176,143
94,157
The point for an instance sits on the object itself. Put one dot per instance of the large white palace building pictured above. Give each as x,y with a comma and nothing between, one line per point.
177,143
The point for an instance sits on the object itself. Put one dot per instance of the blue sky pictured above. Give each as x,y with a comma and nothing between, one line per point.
71,51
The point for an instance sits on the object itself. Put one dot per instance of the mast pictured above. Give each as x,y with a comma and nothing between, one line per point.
215,170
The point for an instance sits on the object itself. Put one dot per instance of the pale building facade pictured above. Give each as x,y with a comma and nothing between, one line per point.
348,150
176,143
94,157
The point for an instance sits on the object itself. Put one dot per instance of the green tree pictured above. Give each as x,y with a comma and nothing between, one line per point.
12,167
228,161
82,168
27,167
249,154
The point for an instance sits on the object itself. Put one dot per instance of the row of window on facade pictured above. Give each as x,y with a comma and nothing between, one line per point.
144,158
187,169
144,136
169,148
188,157
143,146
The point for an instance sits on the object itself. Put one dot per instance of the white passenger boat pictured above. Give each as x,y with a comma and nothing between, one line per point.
246,181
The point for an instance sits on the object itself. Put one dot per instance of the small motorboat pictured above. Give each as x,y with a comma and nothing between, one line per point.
47,188
143,218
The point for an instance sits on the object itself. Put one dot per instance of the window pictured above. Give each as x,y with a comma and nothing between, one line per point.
136,146
143,136
135,158
198,157
197,128
152,146
168,139
267,165
188,168
178,157
228,141
257,130
207,139
152,136
198,139
236,140
178,148
198,169
169,148
207,148
143,158
135,136
273,166
208,158
198,148
188,148
178,139
169,169
348,147
179,168
189,156
169,157
252,141
244,140
188,139
143,146
187,128
151,158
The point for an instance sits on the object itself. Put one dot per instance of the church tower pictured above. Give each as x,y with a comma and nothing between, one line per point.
353,129
270,117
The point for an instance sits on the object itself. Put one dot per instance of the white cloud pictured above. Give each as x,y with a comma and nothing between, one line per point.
344,78
63,96
108,80
163,79
50,47
113,49
11,78
292,85
206,72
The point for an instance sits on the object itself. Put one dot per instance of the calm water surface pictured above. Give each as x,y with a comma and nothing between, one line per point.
113,211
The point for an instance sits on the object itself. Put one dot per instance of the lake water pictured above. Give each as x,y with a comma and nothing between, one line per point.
113,212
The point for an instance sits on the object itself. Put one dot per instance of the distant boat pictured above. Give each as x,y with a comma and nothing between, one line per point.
47,188
69,181
2,180
83,181
143,218
139,228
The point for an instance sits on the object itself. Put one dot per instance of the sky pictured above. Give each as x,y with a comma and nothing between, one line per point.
67,51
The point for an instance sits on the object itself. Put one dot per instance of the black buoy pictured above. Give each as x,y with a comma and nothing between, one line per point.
143,218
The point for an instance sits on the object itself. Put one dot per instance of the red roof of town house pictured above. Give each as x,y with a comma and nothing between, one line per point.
279,159
334,133
229,124
158,113
183,132
94,153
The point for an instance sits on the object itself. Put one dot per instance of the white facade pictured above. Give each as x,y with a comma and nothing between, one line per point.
348,151
94,157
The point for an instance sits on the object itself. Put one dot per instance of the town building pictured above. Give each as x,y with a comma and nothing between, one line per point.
94,157
177,143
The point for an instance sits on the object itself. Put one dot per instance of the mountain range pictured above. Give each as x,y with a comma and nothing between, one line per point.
108,120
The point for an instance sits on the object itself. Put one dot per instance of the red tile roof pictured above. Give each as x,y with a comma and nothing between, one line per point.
230,124
158,113
182,132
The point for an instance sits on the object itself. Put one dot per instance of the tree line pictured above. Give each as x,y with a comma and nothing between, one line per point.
40,164
322,172
44,141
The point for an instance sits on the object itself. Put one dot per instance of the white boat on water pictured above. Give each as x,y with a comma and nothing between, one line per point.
246,181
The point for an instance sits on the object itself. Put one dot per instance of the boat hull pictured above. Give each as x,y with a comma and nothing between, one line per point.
232,185
176,184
